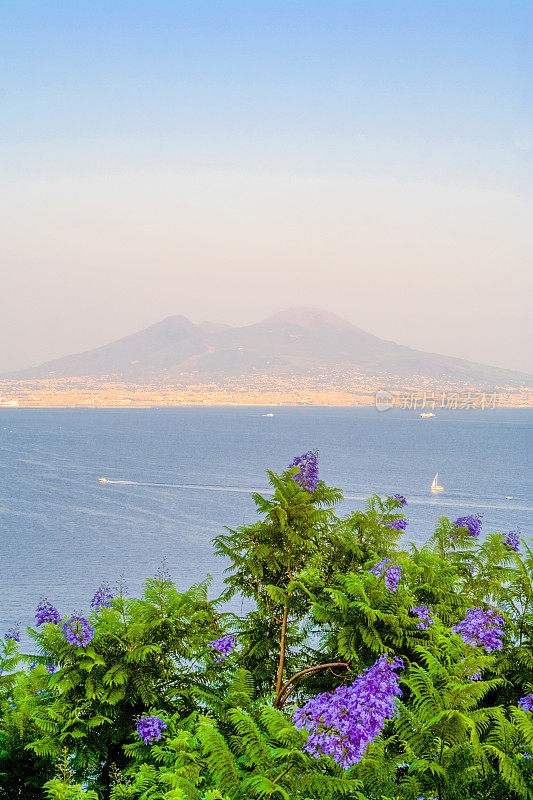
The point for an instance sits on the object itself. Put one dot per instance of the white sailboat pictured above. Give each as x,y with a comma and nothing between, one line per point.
435,485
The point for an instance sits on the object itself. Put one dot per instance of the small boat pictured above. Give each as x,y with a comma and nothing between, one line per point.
435,485
103,480
268,415
509,498
427,414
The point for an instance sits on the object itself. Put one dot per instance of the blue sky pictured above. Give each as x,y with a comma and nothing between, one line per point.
249,122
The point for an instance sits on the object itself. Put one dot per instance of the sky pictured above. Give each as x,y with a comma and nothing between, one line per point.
226,160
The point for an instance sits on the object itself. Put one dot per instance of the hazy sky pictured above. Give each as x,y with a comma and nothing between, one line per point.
224,160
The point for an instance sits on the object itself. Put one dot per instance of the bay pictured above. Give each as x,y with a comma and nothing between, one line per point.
178,476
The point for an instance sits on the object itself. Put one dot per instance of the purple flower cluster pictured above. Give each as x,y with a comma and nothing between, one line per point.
423,613
392,574
513,541
472,523
526,755
307,477
392,578
13,634
343,723
223,646
150,728
526,703
103,598
400,498
474,676
77,631
397,524
50,667
481,627
46,612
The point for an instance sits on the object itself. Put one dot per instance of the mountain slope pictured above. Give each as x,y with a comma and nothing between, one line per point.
300,342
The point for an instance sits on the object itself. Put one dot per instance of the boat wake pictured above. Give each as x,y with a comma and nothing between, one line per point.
449,501
198,486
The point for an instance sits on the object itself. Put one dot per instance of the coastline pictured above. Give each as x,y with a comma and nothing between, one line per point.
117,406
381,391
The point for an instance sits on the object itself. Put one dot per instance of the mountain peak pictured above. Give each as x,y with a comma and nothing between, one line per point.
176,322
296,343
310,318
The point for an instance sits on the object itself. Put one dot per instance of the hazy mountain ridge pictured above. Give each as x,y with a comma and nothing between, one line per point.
294,343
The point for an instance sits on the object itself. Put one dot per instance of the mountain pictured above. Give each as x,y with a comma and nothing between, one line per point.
296,343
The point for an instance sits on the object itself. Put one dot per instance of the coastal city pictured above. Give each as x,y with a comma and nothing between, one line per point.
384,391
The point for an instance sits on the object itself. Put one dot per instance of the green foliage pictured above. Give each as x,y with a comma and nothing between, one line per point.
62,787
251,751
22,773
318,618
144,654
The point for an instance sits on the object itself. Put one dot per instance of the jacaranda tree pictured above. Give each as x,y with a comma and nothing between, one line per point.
363,669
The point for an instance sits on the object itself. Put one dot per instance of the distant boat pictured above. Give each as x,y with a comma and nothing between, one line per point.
435,485
509,498
268,415
427,414
103,480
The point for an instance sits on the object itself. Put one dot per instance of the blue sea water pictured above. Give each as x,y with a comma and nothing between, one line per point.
178,476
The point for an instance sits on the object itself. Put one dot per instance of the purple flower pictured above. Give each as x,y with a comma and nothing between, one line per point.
471,523
103,598
223,646
526,703
392,574
46,612
50,667
423,613
397,524
150,728
307,477
526,755
392,577
77,631
342,724
513,541
400,498
481,627
378,568
13,634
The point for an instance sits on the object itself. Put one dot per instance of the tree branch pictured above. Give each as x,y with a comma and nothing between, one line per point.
282,648
283,692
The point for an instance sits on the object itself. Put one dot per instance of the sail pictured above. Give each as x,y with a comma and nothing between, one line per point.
435,485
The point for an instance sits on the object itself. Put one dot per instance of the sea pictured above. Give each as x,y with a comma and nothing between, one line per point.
178,477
